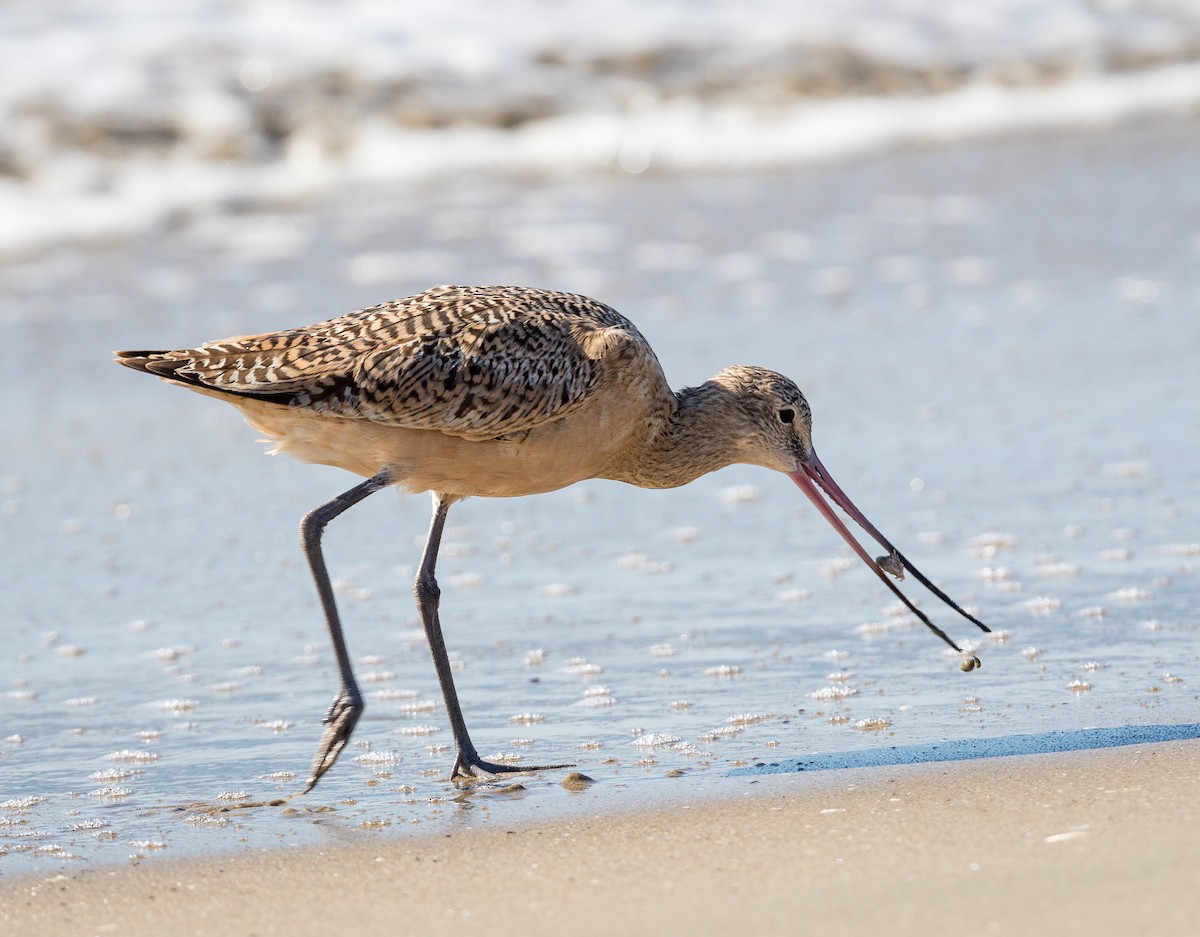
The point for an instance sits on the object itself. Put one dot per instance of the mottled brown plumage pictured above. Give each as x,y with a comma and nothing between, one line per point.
494,391
474,362
467,390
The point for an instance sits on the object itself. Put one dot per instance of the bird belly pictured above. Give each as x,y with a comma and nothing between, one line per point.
545,459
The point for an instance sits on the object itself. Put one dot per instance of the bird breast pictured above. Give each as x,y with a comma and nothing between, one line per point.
617,417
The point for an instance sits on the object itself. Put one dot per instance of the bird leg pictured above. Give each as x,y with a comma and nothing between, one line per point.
348,704
467,763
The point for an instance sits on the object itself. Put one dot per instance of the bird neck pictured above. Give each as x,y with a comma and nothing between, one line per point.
692,441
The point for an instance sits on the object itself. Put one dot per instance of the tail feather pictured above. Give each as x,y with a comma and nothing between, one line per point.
187,367
162,363
167,364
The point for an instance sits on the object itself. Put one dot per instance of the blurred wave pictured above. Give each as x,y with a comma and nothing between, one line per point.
113,118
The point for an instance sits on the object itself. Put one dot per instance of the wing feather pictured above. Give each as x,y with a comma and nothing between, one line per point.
476,362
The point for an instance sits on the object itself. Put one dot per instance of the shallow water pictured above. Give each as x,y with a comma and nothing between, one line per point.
998,342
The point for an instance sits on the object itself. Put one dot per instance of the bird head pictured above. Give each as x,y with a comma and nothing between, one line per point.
774,419
774,430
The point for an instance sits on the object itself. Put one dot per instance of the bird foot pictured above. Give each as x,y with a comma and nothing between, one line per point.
470,769
339,726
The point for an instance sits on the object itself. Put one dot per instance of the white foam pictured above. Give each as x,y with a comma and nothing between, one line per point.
114,117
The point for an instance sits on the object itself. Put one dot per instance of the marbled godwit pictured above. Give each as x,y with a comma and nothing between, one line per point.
498,392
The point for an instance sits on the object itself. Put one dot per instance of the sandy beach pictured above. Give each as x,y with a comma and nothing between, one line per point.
1090,843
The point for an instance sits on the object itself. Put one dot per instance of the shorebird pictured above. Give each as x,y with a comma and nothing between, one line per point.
499,391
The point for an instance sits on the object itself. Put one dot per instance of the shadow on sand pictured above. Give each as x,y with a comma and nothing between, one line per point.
1037,743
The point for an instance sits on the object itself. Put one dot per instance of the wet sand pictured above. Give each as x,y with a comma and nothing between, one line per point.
1080,843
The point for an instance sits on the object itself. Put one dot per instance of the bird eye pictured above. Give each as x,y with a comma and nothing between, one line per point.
787,414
